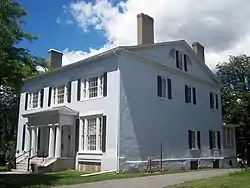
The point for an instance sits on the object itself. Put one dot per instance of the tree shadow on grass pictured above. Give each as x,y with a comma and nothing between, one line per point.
27,180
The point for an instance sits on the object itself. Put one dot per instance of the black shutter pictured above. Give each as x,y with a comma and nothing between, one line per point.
194,95
39,141
199,139
69,92
216,101
169,89
177,58
77,135
23,140
105,84
211,139
49,98
186,94
41,98
218,140
159,88
185,62
190,139
79,89
26,101
211,100
104,122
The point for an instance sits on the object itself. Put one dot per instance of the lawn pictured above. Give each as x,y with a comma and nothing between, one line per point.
2,168
62,178
235,180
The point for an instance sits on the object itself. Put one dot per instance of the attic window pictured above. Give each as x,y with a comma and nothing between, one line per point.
181,60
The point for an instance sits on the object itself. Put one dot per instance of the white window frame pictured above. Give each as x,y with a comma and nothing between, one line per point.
192,94
216,140
228,142
85,87
164,87
98,134
181,61
30,100
195,147
214,101
54,94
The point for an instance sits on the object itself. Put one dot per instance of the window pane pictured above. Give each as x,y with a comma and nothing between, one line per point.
93,87
100,136
193,139
92,134
164,88
214,139
35,100
60,95
189,92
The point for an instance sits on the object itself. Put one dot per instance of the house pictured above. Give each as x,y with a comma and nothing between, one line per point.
117,109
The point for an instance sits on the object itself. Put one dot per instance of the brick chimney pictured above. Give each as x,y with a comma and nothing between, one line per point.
55,57
199,50
145,29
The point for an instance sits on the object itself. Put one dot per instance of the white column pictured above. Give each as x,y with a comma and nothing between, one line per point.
98,122
34,140
58,150
81,127
51,141
85,134
27,138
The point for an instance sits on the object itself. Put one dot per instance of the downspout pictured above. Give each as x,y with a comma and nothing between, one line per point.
118,108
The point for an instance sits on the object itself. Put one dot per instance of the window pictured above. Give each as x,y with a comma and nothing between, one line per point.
91,134
214,103
33,100
92,87
228,137
214,140
190,94
60,95
164,87
181,60
194,139
95,132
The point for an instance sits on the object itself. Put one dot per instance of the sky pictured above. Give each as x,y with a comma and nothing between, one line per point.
84,28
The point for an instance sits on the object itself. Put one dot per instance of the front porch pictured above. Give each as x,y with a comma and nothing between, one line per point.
51,133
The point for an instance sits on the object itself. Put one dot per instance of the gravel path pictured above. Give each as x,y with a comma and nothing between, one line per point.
158,181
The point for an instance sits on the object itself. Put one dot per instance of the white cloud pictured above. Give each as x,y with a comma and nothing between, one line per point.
221,26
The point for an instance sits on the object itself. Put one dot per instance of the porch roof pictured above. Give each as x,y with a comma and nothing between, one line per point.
54,110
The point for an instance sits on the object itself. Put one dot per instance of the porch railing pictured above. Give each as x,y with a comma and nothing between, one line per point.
18,157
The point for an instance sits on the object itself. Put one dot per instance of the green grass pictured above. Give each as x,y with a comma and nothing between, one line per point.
2,168
234,180
63,178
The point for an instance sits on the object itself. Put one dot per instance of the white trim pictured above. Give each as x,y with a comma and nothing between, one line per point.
179,159
196,141
85,86
30,100
54,92
90,113
170,69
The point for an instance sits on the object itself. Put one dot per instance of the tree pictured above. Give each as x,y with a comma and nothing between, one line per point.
16,63
235,95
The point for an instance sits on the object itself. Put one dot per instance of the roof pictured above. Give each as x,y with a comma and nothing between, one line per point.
124,48
58,110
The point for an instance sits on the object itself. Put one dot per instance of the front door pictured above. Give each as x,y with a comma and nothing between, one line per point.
66,140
